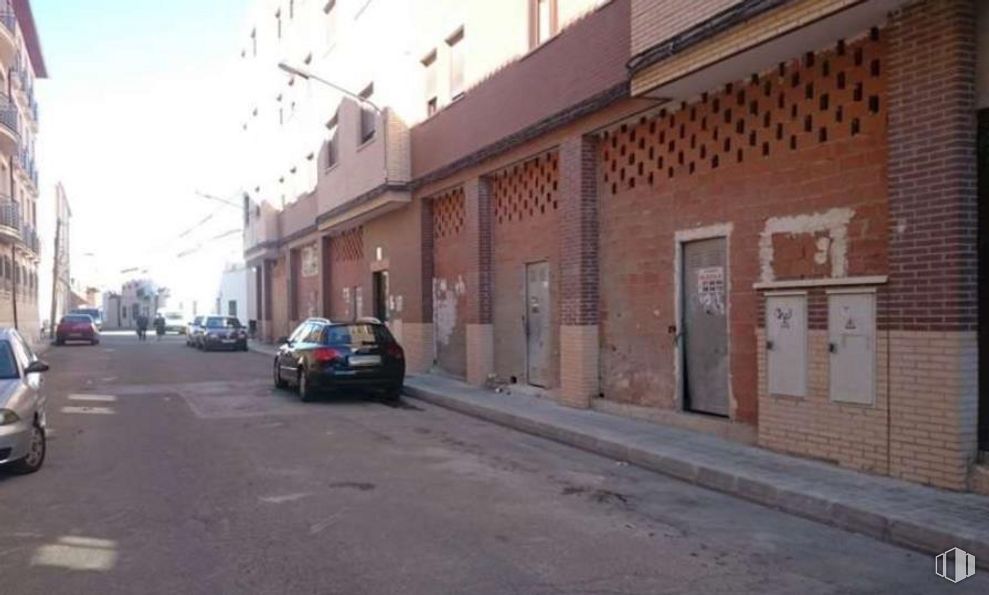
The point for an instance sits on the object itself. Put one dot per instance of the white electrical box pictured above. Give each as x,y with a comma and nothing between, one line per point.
852,346
786,344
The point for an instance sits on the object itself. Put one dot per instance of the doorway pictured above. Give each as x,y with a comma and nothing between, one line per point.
537,323
380,290
705,326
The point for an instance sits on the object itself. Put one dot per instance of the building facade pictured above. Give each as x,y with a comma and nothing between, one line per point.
757,219
63,296
231,298
136,298
20,54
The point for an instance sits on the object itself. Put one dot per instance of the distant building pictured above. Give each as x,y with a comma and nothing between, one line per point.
231,300
136,297
22,63
63,299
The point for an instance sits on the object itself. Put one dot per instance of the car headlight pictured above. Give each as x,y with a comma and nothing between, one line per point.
8,417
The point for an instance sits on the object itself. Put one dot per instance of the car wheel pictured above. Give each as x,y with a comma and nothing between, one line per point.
393,394
35,455
277,374
306,392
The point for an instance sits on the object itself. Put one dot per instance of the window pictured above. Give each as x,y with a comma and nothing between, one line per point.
332,143
456,43
542,21
429,64
367,115
232,308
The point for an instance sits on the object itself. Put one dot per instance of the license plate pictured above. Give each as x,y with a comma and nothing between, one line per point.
365,360
228,340
75,335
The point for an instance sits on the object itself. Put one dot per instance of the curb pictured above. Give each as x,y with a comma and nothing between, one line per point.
835,512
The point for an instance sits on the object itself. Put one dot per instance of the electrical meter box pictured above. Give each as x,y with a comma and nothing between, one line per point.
852,346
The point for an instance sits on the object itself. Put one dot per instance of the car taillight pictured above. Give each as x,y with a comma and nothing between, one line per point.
395,351
325,355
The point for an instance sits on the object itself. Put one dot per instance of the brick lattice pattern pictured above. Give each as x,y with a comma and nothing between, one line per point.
817,99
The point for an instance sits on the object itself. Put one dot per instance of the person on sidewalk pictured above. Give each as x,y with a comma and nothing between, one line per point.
159,326
142,327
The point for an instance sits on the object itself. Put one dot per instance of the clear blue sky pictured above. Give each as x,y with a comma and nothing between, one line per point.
137,115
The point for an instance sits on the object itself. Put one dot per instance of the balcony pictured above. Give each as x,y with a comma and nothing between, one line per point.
8,33
9,126
10,219
29,236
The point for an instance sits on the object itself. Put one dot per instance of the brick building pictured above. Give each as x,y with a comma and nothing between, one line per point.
752,217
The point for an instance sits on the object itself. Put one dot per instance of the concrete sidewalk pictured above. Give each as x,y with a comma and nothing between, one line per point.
906,514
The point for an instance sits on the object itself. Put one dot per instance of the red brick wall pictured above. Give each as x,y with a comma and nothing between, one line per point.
306,290
449,283
655,21
525,229
804,138
552,82
932,128
279,298
348,269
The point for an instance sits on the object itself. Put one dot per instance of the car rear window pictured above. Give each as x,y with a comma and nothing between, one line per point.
222,323
357,334
8,368
77,318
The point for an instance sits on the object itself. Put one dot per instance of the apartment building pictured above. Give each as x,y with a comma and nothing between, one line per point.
20,54
756,219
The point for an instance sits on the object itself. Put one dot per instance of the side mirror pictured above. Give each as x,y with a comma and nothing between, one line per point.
36,367
282,340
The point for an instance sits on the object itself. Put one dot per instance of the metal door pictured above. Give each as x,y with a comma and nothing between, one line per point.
537,323
705,326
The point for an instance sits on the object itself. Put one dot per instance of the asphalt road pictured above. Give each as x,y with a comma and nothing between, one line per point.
173,471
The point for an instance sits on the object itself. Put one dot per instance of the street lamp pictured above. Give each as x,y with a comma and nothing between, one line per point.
299,72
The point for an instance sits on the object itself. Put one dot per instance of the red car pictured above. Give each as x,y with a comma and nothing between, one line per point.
77,327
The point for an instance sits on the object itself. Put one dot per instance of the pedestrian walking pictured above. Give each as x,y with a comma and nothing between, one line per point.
159,326
142,327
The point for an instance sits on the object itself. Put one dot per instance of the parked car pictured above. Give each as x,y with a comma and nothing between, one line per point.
22,405
95,313
77,327
192,331
321,355
223,332
174,321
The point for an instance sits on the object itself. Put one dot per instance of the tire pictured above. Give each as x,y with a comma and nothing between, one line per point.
36,456
393,394
306,392
277,375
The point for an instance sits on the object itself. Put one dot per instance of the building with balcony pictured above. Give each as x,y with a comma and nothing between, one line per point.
753,218
22,61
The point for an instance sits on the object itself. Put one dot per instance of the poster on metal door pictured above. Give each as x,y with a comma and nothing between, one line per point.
711,290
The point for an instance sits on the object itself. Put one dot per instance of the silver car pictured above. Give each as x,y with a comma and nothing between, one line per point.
22,405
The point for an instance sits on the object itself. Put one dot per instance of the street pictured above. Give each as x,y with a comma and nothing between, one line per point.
175,471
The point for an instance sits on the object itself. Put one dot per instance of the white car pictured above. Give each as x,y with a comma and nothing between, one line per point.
22,405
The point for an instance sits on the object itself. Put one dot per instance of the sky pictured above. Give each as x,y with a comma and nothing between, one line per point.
135,119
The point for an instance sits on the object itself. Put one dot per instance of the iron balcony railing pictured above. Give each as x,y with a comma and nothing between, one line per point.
7,16
30,238
10,214
8,115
